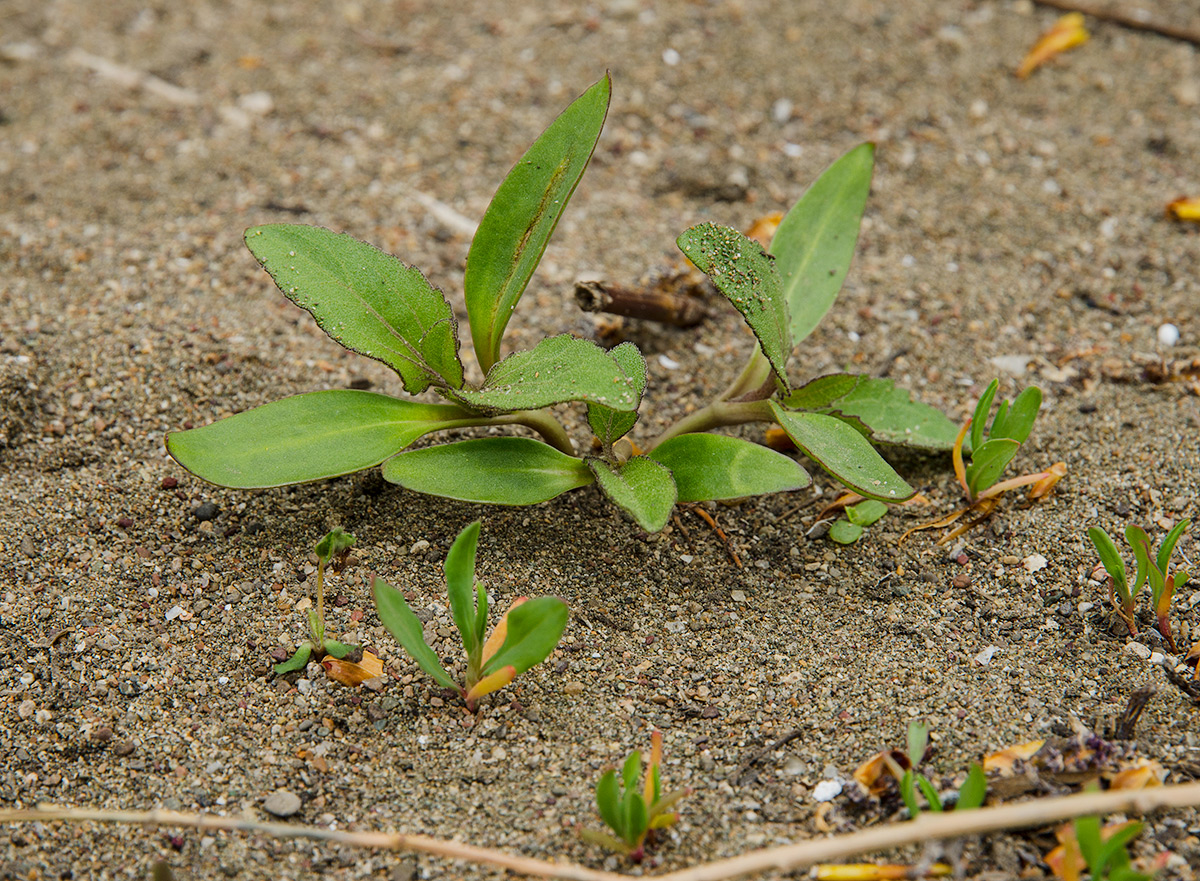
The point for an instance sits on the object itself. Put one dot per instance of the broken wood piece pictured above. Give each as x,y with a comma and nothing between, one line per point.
651,304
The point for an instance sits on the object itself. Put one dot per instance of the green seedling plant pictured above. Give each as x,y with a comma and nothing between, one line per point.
335,547
1103,852
524,637
373,304
970,795
1152,568
631,813
849,529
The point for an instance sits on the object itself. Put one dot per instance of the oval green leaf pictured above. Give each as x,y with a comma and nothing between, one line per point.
492,470
522,216
406,629
641,487
534,629
365,299
460,586
1016,422
814,243
308,437
558,369
746,275
844,453
988,463
1111,558
844,532
888,414
711,467
609,424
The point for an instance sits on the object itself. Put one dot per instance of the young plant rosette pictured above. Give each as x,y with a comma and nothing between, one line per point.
375,305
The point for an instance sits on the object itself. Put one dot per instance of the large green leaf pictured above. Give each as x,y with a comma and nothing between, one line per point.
518,223
368,301
406,629
641,487
746,275
558,369
888,414
308,437
610,424
492,470
815,242
710,467
460,585
534,629
844,453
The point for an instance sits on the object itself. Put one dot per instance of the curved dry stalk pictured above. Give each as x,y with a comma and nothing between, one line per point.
793,856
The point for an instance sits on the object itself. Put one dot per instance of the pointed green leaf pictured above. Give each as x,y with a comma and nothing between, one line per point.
844,453
974,789
1168,545
982,408
609,424
746,275
297,661
918,742
334,542
1113,853
559,369
815,242
534,629
908,792
888,414
641,487
1017,421
481,615
711,467
460,585
308,437
844,532
523,214
406,629
931,794
1139,541
365,299
636,819
866,513
595,836
988,463
1110,557
631,769
492,470
316,627
608,802
337,649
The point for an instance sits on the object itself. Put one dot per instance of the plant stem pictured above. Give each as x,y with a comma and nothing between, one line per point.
715,415
751,379
540,421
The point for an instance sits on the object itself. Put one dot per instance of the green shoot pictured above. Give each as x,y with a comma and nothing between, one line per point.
334,546
524,637
1152,568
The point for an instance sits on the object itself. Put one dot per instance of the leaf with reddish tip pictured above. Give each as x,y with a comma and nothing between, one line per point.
491,682
500,633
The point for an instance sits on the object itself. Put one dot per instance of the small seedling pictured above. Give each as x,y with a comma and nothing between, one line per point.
991,450
1153,569
335,546
377,306
630,813
970,795
849,529
525,636
1102,852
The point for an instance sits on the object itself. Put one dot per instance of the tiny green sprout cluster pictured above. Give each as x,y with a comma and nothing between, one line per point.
632,813
1101,852
373,304
849,529
992,448
334,546
1152,568
524,637
970,795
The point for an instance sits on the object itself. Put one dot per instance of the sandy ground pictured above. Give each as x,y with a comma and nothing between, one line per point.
1014,220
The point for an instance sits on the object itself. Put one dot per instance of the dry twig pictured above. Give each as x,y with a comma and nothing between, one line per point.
957,824
1133,21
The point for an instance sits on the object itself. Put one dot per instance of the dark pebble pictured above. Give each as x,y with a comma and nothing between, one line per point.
124,522
170,482
103,734
125,748
254,528
360,382
1087,408
280,654
710,713
207,511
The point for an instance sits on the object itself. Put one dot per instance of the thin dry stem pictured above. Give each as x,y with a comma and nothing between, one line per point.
927,827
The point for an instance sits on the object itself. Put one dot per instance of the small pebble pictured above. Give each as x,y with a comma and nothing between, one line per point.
1034,562
205,512
1168,334
282,803
1138,650
419,546
985,657
170,482
827,790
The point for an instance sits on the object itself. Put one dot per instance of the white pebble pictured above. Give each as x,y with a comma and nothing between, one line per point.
1138,650
668,363
670,57
1034,562
1157,657
781,110
258,103
174,612
1168,334
687,558
827,790
738,596
985,657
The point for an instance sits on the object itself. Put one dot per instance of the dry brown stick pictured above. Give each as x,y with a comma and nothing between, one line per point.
373,840
665,307
956,824
1125,19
